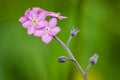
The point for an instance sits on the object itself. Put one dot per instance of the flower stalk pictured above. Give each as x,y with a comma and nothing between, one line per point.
69,40
73,33
71,56
87,69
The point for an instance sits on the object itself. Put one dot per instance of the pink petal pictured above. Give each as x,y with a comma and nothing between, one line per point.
22,19
32,15
46,38
27,12
50,13
39,33
41,24
37,9
27,24
54,31
42,16
62,17
52,22
30,30
56,15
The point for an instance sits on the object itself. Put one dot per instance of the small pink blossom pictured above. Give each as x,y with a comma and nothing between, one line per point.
34,21
48,31
36,10
56,15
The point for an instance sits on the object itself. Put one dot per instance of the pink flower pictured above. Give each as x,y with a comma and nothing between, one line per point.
56,15
37,10
34,21
48,31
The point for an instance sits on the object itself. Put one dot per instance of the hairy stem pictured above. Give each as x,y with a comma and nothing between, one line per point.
71,56
68,42
87,69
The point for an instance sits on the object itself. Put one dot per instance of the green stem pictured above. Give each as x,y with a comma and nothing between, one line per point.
71,56
68,42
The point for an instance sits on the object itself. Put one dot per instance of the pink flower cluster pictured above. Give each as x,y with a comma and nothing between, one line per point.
35,22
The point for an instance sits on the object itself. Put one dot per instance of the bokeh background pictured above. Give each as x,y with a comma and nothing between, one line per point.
24,57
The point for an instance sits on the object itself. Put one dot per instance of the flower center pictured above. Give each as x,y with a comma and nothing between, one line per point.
47,29
34,21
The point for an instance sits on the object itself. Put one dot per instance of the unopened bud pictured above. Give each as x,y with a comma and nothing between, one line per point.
62,59
94,59
74,31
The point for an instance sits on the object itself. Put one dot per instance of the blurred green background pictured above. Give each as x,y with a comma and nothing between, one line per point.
24,57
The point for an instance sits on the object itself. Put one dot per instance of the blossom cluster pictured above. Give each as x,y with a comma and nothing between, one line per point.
36,23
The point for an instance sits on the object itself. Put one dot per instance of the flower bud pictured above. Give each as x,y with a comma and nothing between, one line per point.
62,59
93,59
74,31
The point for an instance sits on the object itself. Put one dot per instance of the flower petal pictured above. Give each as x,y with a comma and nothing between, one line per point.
30,30
54,31
42,16
61,17
37,9
49,13
52,22
56,15
22,19
41,24
46,38
27,12
33,15
27,24
39,33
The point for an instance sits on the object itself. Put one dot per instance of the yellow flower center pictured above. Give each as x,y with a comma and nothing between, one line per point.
34,21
